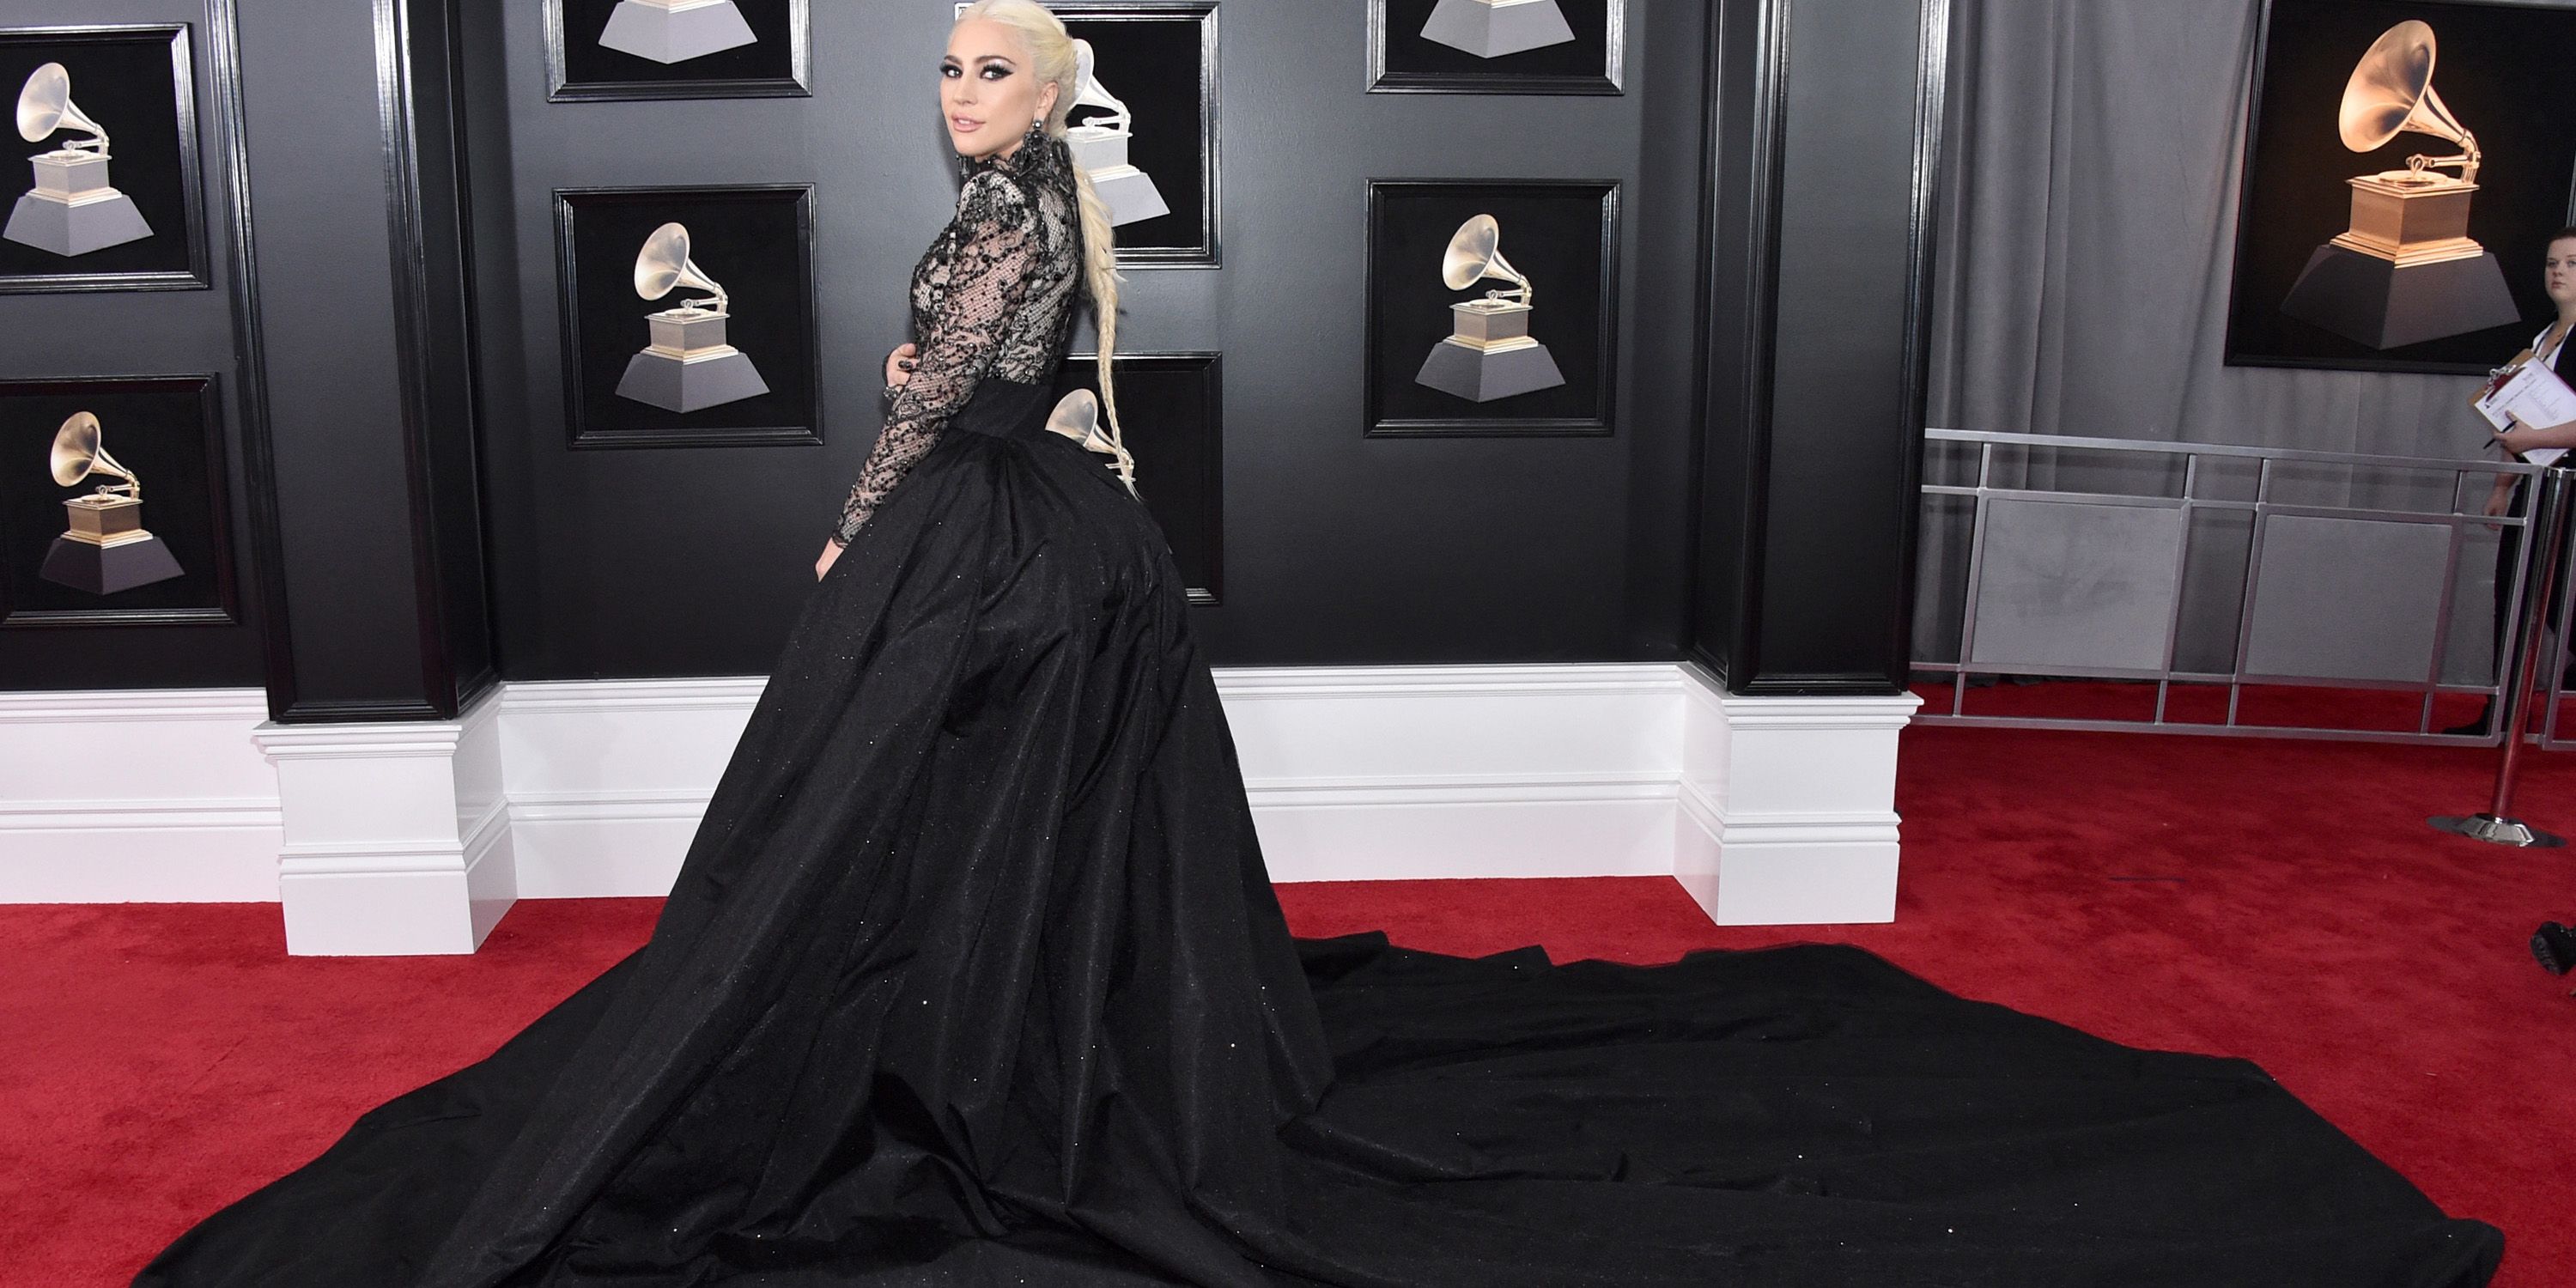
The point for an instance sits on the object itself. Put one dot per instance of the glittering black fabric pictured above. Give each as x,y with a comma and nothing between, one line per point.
973,976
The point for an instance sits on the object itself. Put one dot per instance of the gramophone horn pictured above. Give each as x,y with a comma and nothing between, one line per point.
77,453
1089,92
1474,255
45,105
1076,416
664,263
2391,92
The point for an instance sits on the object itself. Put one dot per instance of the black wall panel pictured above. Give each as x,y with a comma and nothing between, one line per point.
1339,548
1824,158
413,524
132,333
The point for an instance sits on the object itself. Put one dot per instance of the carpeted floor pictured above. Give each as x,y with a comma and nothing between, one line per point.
2281,901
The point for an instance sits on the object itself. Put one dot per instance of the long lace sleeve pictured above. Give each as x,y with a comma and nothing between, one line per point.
995,253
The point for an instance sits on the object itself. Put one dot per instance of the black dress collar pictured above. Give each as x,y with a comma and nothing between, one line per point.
1039,156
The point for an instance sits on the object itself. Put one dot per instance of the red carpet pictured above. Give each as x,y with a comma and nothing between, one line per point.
2275,900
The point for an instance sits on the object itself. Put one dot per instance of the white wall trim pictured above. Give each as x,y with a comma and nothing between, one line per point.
1788,805
117,796
411,836
398,837
1506,679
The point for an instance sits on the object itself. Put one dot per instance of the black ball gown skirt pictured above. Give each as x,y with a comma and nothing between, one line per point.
973,976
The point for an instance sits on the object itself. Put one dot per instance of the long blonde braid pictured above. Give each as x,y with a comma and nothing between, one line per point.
1052,52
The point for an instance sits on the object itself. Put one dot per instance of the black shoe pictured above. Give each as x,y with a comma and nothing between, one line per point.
2555,947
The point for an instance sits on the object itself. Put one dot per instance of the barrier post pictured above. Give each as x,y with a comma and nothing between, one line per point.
2546,535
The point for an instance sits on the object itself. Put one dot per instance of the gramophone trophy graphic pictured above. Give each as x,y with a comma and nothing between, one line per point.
1100,148
2407,270
688,366
1493,28
72,210
1077,416
104,549
671,31
1489,353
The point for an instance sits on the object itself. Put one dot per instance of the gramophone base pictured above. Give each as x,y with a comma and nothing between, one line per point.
672,384
105,570
1493,28
1097,148
1129,193
75,228
668,34
1483,375
2371,301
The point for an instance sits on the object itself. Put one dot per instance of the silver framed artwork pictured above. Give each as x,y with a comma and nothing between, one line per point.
1497,46
1179,450
657,49
688,316
1492,306
110,196
114,503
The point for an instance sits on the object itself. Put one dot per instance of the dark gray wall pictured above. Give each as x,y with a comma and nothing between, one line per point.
413,525
1340,548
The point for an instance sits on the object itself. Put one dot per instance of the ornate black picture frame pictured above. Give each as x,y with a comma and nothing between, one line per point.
167,430
138,82
777,63
1561,234
757,242
2296,297
1177,435
1408,56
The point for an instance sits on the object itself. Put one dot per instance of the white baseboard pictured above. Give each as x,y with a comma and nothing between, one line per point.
1403,772
131,796
414,837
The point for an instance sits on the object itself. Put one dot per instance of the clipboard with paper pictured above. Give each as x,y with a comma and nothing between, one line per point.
2529,392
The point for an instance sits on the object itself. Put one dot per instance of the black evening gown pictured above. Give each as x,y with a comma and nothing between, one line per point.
973,976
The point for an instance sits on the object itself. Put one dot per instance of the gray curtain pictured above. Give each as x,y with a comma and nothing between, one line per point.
2084,246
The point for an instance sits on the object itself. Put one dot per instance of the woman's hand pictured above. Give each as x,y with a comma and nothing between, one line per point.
2499,501
831,552
2522,439
899,364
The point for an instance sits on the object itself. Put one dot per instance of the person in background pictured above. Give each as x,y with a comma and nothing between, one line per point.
2511,494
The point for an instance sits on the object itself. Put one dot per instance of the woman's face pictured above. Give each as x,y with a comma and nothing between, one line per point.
988,91
2558,272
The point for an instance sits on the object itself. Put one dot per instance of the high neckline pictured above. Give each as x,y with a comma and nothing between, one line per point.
1038,155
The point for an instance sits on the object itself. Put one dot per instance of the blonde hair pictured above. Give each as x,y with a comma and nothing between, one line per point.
1054,58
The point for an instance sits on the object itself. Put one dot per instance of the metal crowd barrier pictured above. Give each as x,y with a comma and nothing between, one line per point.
2209,589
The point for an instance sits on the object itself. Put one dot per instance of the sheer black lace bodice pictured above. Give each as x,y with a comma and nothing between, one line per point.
993,296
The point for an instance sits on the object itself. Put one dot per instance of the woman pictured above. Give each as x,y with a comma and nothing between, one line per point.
2511,495
973,976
